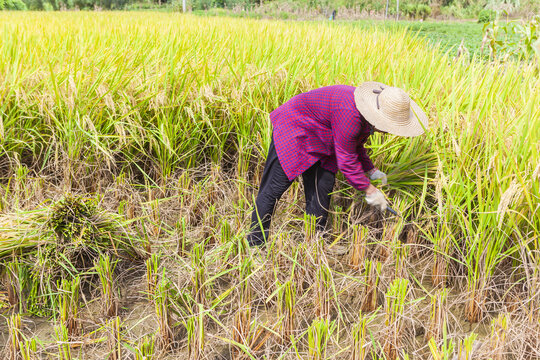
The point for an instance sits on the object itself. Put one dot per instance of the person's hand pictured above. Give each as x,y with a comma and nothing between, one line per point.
375,198
376,174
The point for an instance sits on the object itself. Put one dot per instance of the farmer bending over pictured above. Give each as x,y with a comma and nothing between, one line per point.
322,131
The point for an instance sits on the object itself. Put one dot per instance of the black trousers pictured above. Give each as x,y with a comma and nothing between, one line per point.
318,184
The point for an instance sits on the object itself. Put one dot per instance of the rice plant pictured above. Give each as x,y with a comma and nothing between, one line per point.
324,293
243,319
63,342
395,304
358,252
146,348
400,253
443,352
162,303
372,272
15,337
225,231
438,315
199,276
319,336
69,306
109,293
467,346
114,340
196,333
440,238
360,338
14,279
287,294
310,227
152,274
499,328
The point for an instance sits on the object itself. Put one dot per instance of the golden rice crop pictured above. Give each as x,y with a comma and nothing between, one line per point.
164,118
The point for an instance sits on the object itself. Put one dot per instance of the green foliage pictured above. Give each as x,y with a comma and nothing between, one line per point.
486,15
73,220
33,4
416,11
202,4
12,5
513,38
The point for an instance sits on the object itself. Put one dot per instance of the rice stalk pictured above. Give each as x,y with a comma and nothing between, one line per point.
196,333
310,227
152,273
395,305
400,253
360,338
109,295
145,349
114,339
199,276
319,334
438,316
69,306
15,337
13,281
162,304
287,310
443,352
499,328
242,319
323,288
358,252
63,343
467,347
372,272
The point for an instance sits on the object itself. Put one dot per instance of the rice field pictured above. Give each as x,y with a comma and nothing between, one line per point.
131,148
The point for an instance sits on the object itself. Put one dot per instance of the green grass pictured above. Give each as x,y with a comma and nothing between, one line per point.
448,35
445,35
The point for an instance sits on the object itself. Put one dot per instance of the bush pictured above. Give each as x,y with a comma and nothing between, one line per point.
486,15
202,4
409,10
12,5
423,11
416,11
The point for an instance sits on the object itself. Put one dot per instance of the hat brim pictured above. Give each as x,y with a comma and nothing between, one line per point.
366,102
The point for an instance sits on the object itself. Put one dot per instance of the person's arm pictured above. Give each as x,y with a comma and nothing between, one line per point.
371,171
367,164
346,129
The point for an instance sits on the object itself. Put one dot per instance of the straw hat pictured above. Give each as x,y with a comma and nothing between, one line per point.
390,109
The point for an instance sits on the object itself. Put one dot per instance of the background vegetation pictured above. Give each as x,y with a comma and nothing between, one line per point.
484,10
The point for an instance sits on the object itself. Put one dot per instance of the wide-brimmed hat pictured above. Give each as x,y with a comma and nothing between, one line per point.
390,109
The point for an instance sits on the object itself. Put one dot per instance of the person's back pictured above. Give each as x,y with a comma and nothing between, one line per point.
316,105
304,127
319,132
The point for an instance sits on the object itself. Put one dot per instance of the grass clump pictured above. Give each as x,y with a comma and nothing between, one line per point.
59,245
82,231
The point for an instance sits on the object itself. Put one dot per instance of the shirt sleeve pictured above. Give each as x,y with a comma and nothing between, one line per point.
366,162
346,127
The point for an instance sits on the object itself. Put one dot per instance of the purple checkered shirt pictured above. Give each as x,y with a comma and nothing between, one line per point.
323,124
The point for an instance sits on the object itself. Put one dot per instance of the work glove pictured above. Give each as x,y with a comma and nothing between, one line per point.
377,200
377,174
